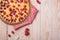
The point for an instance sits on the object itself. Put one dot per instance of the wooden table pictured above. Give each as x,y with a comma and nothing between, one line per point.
46,25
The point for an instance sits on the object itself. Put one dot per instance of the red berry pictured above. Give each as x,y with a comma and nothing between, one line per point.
21,0
3,5
25,1
21,18
10,14
17,8
21,13
12,32
27,33
24,8
11,1
4,12
10,9
9,35
38,1
18,4
11,20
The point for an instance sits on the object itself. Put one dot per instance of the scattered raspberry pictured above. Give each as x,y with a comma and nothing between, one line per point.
38,1
9,35
27,33
12,32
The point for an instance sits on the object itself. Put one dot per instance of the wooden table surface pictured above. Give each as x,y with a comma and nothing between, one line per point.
46,25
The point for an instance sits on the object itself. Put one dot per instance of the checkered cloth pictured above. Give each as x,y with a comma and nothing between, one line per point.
29,20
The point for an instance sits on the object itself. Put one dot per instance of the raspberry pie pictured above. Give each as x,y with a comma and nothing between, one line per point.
14,11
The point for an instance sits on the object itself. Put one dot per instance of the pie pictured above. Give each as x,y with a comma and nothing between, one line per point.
14,11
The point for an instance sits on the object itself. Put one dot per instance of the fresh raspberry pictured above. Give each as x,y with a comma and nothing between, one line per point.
9,35
12,32
27,33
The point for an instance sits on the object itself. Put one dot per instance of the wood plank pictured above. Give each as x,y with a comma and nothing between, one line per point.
3,31
49,20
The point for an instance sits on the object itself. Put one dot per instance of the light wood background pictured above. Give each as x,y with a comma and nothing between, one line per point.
46,25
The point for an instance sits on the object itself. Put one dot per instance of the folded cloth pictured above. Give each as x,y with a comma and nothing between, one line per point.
29,20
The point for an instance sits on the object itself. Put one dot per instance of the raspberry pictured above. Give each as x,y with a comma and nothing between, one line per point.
21,18
12,32
25,1
18,5
9,35
27,29
21,0
27,33
11,1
